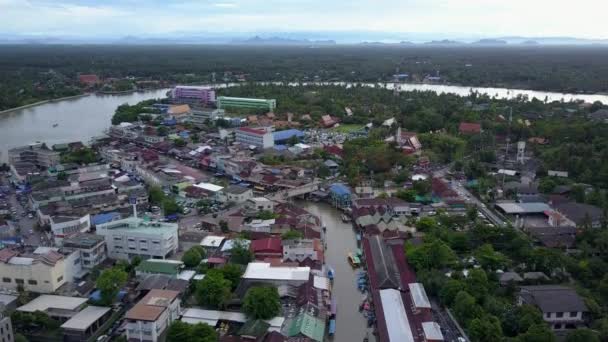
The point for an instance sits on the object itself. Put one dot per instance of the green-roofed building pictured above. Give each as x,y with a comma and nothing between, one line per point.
254,329
307,325
224,102
156,266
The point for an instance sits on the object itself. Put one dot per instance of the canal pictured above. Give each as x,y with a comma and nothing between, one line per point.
77,119
340,238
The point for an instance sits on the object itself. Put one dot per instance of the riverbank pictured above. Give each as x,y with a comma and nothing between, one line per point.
43,102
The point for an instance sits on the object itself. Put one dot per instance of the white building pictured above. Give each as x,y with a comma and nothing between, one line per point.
151,316
257,137
259,204
63,226
61,308
134,236
237,194
277,275
92,249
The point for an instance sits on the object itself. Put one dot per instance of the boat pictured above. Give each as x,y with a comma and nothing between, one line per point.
332,327
345,218
330,273
55,125
366,338
333,306
354,260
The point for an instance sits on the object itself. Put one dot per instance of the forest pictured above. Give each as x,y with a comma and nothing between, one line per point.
30,73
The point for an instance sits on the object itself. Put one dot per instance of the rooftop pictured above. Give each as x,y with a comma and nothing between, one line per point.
553,298
212,241
152,305
170,267
83,240
85,318
46,302
523,208
397,323
209,187
236,189
264,271
138,225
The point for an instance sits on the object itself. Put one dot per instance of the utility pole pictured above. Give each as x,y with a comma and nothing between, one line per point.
504,161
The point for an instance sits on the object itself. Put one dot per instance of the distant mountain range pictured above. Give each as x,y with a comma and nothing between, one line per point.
302,38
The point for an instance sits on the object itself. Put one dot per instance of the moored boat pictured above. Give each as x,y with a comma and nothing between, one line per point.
354,260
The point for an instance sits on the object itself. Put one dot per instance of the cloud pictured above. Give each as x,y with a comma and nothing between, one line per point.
225,5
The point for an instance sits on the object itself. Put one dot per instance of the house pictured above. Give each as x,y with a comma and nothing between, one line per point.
264,272
469,128
580,214
60,308
267,248
92,249
332,166
561,306
88,80
341,195
213,317
258,204
327,121
301,249
408,141
237,194
600,115
151,316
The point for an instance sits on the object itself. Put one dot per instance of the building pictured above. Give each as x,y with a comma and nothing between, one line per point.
283,137
213,317
302,249
89,80
92,249
170,268
263,272
581,214
86,323
561,306
63,226
341,195
41,273
224,102
237,194
150,317
135,236
258,204
469,128
257,137
200,117
193,94
6,329
36,154
267,248
61,308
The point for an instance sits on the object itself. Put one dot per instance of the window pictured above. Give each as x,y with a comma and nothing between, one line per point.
559,315
6,280
86,255
557,326
32,282
573,314
59,279
19,281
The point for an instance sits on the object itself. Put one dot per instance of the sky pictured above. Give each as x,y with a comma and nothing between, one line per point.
453,18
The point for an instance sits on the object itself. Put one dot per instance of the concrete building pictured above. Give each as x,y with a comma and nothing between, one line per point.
61,308
248,103
257,137
63,226
258,204
85,323
41,273
92,249
134,236
150,317
193,94
561,306
37,154
263,272
199,117
237,194
6,329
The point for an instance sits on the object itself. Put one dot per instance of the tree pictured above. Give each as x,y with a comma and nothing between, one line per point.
537,333
488,258
62,176
486,328
434,254
426,224
156,195
472,213
477,283
465,307
180,142
224,226
110,282
213,290
200,332
240,253
262,302
192,258
450,289
233,273
582,335
20,338
170,206
406,195
292,235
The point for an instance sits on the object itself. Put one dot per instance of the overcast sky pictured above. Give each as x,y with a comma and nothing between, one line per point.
580,18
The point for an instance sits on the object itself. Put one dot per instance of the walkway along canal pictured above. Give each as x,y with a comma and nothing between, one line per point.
340,238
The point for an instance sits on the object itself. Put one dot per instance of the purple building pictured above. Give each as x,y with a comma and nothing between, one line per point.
191,94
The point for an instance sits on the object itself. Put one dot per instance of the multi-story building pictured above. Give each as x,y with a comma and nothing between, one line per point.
41,273
92,248
135,236
151,316
63,226
193,94
6,329
257,137
561,306
237,194
201,116
37,154
249,103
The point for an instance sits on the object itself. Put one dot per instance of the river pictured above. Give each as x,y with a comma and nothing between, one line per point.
77,119
84,117
340,238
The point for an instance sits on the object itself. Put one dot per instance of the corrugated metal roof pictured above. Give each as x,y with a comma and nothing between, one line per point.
419,296
397,323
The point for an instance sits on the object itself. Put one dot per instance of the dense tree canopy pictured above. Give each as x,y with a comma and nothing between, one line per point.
262,302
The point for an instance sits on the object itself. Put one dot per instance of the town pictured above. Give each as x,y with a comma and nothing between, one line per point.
213,217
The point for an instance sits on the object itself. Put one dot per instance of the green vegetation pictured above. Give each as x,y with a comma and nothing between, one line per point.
348,128
37,324
182,332
194,256
240,253
128,113
214,290
262,302
292,235
110,282
80,156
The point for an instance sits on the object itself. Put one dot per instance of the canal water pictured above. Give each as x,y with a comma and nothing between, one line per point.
77,119
340,238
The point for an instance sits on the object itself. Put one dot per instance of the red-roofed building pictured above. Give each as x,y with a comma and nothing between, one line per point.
334,150
328,121
469,128
88,79
267,248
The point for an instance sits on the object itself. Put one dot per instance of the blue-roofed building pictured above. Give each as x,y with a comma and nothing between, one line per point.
284,136
341,195
170,122
104,218
280,147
